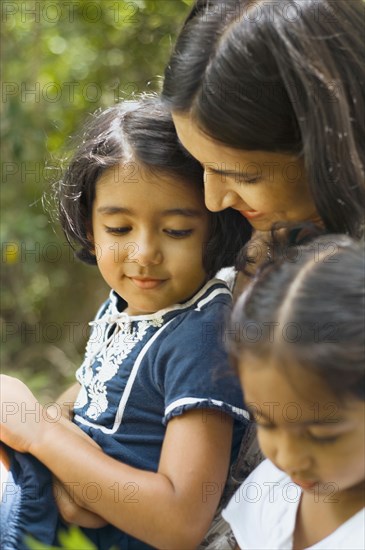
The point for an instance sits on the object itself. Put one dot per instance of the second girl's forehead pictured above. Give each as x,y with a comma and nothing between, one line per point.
289,393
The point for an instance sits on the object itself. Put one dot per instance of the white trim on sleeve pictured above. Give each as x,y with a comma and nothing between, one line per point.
195,400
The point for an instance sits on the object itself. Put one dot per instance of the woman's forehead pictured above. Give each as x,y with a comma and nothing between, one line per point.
208,150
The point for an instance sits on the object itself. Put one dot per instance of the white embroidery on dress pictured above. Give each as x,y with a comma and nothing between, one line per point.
110,355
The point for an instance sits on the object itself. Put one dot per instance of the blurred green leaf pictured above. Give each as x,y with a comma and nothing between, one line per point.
62,61
72,539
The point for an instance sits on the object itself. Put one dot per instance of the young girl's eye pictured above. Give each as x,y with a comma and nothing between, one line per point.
178,233
117,230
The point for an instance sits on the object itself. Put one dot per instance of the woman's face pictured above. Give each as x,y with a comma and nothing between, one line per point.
264,187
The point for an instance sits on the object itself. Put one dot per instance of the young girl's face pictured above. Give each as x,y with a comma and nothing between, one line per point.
149,232
265,187
304,429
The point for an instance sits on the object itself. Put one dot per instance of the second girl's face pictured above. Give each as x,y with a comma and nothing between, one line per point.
149,232
264,187
304,429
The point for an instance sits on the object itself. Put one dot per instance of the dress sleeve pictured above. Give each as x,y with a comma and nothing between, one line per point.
197,372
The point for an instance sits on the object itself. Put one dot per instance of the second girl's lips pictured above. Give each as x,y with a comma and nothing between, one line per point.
146,283
306,485
250,214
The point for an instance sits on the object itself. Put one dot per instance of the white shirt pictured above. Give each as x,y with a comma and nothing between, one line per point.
263,511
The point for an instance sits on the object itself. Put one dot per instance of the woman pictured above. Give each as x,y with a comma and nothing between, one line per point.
269,97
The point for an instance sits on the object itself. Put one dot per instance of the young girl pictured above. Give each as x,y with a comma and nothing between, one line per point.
301,362
270,98
158,416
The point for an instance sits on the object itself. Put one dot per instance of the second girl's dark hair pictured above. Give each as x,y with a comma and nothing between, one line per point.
137,132
284,76
306,308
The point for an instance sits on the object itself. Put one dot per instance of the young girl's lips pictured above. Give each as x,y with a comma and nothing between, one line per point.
147,284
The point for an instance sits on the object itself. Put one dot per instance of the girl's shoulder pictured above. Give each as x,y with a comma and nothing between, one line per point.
262,512
350,534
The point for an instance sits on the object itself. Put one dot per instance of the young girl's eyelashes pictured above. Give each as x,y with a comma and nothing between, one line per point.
118,230
178,233
175,233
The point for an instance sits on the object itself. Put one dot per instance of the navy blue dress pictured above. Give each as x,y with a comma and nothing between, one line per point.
141,371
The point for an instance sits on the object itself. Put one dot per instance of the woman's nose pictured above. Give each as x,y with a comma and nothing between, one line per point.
217,194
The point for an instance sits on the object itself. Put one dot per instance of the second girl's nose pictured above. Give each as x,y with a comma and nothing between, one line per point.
292,457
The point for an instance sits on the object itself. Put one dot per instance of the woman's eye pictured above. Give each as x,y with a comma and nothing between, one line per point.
244,179
178,233
117,230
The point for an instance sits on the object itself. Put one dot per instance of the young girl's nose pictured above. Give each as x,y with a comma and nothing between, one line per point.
148,251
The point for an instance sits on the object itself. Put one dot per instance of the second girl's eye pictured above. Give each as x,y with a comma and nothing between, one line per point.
117,230
264,426
178,233
323,439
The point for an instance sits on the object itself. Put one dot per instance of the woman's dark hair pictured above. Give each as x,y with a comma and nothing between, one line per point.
286,77
138,132
306,308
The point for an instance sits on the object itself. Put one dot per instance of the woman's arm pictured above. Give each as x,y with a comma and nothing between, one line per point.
168,509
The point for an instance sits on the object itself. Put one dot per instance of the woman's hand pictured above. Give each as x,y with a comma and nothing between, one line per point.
22,416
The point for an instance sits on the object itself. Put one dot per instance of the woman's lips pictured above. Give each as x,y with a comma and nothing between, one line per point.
250,214
147,284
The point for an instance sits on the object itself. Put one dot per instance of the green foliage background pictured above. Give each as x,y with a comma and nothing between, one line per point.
61,61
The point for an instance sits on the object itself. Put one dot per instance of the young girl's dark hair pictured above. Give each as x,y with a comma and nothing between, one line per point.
307,308
140,133
281,76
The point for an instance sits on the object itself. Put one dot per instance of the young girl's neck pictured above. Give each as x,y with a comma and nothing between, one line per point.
333,510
